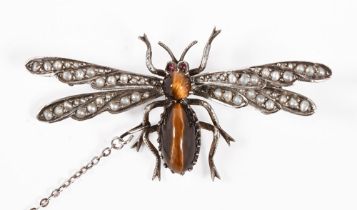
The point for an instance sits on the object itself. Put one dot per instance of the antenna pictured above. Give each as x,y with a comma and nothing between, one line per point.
186,49
169,51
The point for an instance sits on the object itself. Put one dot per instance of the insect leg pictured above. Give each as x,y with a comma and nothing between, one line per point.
153,150
149,64
146,121
206,51
139,142
204,104
212,166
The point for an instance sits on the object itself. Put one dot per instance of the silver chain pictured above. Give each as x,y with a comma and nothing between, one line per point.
116,144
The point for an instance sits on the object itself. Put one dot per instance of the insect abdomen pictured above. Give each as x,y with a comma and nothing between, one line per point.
179,137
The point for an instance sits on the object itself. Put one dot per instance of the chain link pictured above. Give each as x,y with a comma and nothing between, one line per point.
116,144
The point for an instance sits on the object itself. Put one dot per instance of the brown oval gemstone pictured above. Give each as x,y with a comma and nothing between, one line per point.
178,138
177,85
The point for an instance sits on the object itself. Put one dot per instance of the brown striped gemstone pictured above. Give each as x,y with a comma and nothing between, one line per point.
178,138
177,85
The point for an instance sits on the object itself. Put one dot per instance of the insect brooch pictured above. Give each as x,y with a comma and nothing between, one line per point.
179,129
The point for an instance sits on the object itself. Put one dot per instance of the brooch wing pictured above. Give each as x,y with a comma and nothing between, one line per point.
262,86
120,90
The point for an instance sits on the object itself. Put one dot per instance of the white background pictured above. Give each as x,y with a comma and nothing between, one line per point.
281,161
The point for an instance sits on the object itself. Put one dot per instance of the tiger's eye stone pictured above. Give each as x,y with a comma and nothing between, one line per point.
176,85
178,138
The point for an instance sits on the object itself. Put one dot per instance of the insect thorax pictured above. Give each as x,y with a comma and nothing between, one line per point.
176,85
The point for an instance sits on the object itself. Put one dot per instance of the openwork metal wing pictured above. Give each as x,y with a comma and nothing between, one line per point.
260,86
268,99
75,72
124,90
86,106
286,73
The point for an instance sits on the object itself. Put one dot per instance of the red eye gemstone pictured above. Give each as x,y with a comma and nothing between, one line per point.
170,67
183,66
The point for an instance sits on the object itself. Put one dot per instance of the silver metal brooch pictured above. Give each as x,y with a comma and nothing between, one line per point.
179,129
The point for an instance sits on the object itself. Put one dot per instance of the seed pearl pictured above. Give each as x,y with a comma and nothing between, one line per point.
90,72
227,96
260,99
92,108
300,68
47,66
293,103
67,105
57,65
321,71
135,97
58,110
99,101
269,104
265,72
232,78
67,75
304,106
123,78
244,79
283,99
290,65
237,100
250,94
100,82
275,75
48,115
125,101
112,80
36,66
114,106
81,112
217,93
288,76
310,71
146,95
79,74
254,79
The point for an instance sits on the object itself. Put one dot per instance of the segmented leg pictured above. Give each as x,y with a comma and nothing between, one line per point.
138,143
146,121
152,106
202,66
212,166
149,64
153,150
213,116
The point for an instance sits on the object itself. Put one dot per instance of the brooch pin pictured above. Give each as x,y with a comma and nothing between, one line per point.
179,129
